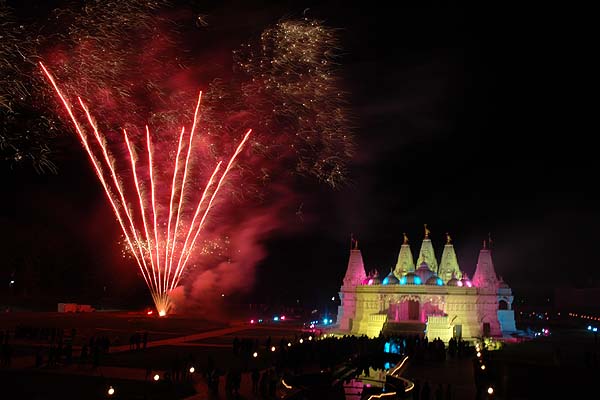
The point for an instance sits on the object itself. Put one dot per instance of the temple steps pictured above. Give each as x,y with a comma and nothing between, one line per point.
404,328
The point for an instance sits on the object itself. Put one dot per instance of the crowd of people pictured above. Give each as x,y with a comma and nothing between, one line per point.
285,356
6,349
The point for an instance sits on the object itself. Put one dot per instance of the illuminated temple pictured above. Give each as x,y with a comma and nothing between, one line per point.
435,298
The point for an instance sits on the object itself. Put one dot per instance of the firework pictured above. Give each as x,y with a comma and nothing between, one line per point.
161,256
292,87
23,137
285,84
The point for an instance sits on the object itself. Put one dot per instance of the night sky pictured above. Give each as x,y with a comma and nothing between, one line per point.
461,122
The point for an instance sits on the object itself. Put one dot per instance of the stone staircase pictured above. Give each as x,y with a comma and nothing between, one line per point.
404,328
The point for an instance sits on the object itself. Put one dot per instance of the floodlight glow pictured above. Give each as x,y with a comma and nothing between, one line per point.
310,338
275,318
282,318
301,340
156,377
162,313
255,354
111,391
251,321
192,370
490,390
483,367
272,348
289,344
478,354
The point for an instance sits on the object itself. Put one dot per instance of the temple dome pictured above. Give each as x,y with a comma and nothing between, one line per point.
390,279
424,272
453,281
435,280
466,282
411,279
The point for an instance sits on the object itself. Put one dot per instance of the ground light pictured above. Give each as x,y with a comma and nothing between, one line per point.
301,341
289,344
483,367
255,354
478,354
192,370
162,313
490,390
111,390
272,348
156,377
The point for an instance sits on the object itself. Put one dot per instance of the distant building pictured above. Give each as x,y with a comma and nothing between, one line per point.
435,300
74,307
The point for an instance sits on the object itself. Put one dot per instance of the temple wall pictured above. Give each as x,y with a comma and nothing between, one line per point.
439,327
461,309
347,308
367,304
364,310
487,310
507,321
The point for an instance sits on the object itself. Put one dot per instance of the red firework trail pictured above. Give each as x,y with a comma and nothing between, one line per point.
146,244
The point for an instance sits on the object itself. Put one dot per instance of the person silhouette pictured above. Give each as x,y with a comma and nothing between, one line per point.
426,391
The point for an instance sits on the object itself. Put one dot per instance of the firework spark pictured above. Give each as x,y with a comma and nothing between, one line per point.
161,256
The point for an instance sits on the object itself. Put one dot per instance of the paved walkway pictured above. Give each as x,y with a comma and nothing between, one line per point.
182,340
26,362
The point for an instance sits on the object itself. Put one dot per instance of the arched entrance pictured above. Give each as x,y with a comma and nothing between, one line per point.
413,310
405,310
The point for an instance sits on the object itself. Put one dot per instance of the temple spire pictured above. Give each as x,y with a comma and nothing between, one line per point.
355,272
485,274
449,264
427,254
405,262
